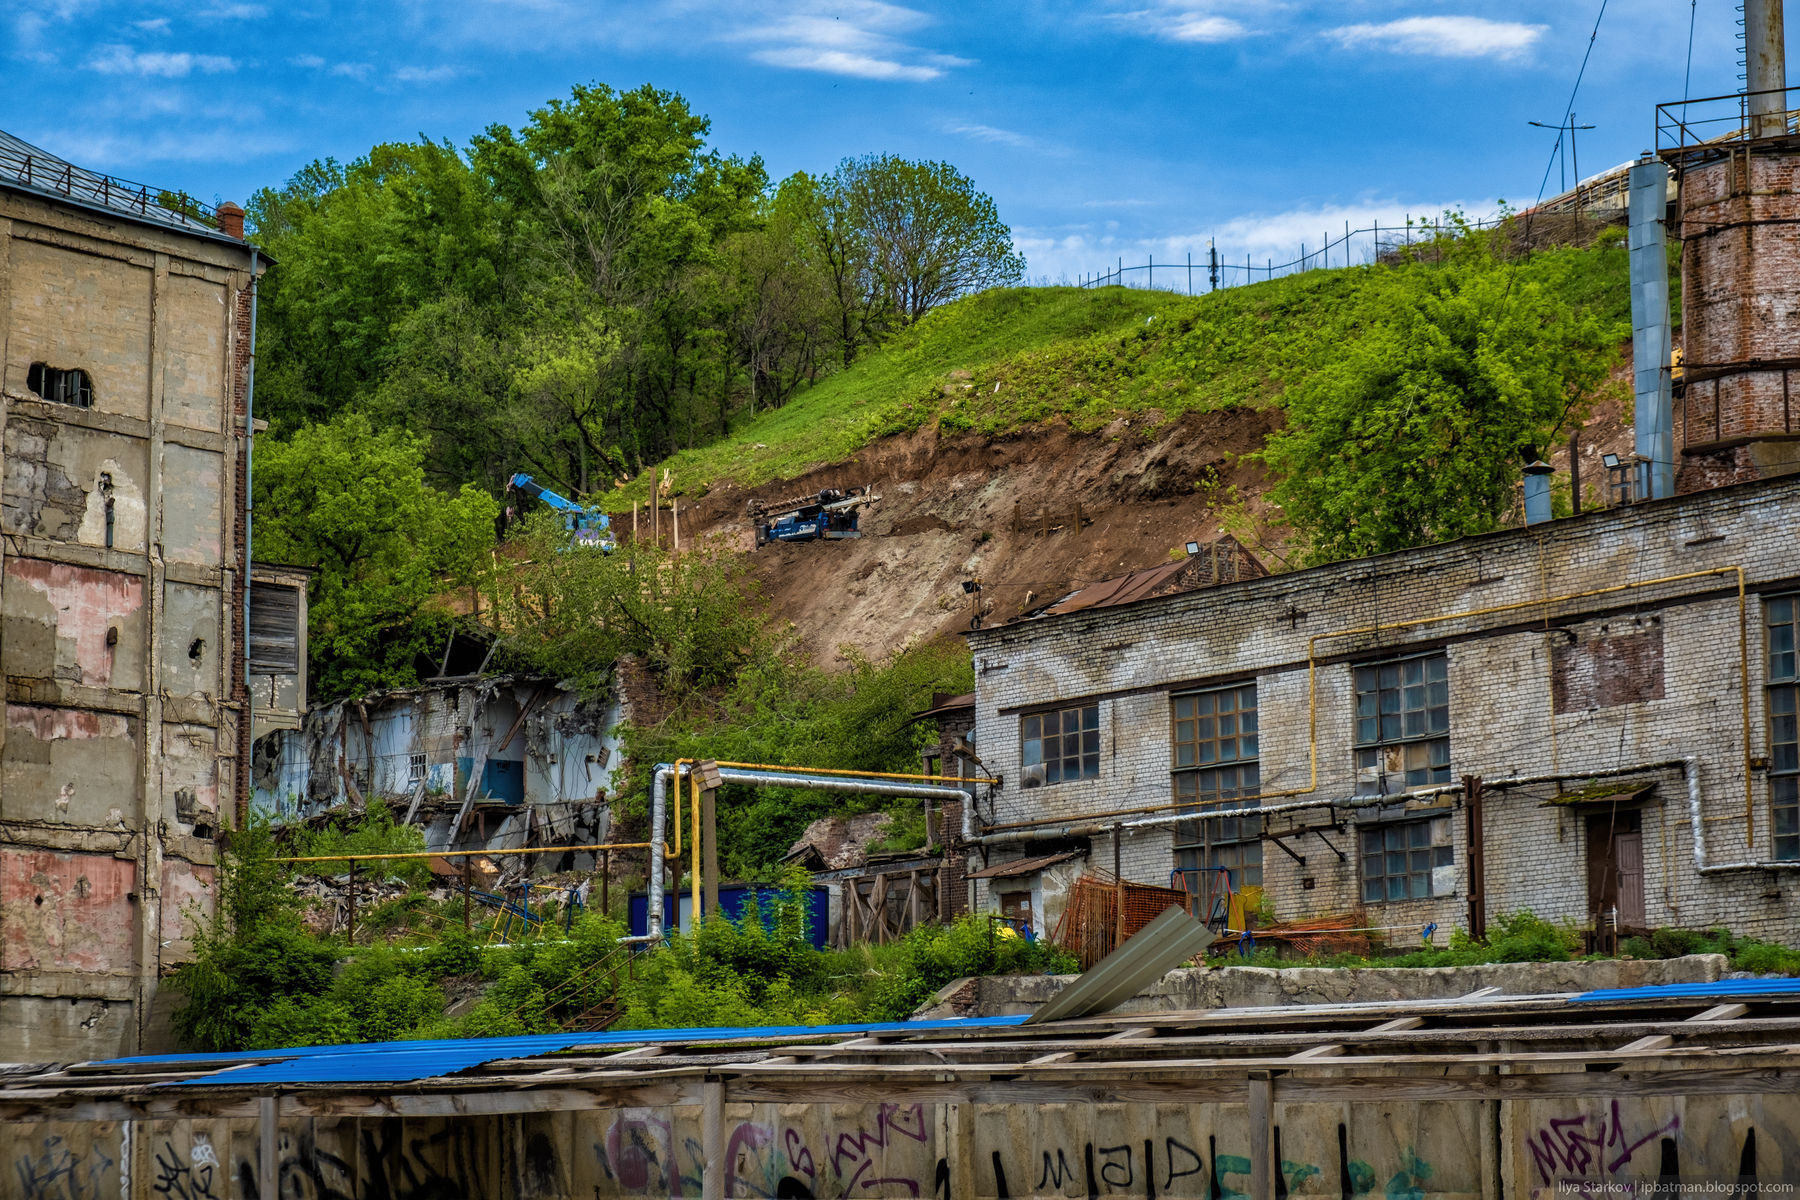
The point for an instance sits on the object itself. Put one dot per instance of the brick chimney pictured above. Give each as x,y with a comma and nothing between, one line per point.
231,220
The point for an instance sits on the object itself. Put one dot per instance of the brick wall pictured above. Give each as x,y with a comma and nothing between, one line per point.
1645,673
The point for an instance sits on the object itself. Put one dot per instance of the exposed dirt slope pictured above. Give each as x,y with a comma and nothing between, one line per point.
946,515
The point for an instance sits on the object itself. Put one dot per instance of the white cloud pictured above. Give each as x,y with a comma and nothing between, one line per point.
988,133
232,12
123,60
1443,37
356,71
310,62
412,74
859,38
1183,21
152,25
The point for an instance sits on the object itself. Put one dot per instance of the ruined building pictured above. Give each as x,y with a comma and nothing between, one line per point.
1593,718
127,318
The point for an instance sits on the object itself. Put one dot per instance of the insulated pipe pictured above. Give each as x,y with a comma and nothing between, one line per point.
1691,766
667,773
1091,829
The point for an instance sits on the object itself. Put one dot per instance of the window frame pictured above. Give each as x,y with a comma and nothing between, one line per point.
49,379
1781,695
1436,854
1376,749
1087,753
1234,772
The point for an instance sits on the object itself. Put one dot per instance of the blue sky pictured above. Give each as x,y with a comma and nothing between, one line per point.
1104,130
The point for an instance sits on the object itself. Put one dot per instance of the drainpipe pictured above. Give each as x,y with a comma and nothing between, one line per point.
1691,766
248,741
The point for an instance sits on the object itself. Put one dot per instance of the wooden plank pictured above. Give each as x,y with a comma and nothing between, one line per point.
1264,1170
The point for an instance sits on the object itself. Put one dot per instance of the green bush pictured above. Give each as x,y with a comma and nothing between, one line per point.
930,957
374,832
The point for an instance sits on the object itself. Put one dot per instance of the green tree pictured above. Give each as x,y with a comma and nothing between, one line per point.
352,504
928,234
1441,378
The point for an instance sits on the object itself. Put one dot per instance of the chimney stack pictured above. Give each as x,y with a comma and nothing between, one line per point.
1765,67
231,217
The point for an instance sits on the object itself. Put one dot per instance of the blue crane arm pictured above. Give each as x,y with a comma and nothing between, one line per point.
524,483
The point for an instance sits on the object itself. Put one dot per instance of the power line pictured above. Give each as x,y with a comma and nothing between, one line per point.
1688,74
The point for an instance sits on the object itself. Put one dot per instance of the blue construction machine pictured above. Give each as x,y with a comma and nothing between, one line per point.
831,513
587,525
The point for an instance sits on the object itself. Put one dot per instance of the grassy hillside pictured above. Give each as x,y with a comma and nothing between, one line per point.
1010,358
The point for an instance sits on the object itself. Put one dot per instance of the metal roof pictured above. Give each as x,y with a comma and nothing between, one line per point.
396,1062
1451,1046
28,168
1143,958
1024,866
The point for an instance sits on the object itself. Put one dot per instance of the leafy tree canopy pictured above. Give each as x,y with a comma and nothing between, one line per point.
352,504
1442,378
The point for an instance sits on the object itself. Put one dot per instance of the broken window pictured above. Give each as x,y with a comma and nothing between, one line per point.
1215,767
1407,860
415,768
60,386
275,628
1402,724
1780,616
1058,746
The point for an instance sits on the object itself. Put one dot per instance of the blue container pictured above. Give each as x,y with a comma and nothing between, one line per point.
734,900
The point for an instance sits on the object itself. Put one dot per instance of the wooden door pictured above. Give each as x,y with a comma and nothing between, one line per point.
1615,862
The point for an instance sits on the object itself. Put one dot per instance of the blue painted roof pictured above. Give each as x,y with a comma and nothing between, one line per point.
397,1062
1719,989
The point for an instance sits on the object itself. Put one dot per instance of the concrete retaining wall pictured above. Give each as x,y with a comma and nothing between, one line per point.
1257,987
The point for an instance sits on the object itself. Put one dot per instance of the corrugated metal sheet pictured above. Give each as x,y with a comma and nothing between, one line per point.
1145,957
1022,866
398,1062
1722,989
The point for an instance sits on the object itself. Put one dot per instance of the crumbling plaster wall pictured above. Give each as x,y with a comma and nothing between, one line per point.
1681,699
120,564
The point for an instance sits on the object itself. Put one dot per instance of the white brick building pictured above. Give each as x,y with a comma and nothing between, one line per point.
1598,674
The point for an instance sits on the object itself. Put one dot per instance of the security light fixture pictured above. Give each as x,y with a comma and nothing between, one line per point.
1611,461
1193,547
971,586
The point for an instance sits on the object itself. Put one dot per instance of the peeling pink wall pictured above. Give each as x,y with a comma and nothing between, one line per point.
187,896
49,724
88,603
66,911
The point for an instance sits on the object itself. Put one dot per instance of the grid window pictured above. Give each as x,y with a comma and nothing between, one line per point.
1215,747
1398,859
1780,616
415,768
61,387
1056,747
1402,724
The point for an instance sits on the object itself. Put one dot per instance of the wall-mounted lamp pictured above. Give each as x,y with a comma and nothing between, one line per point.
1193,548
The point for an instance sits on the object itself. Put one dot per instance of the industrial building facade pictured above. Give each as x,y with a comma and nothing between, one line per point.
1622,685
126,324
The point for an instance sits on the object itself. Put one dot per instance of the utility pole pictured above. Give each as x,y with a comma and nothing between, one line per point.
1212,258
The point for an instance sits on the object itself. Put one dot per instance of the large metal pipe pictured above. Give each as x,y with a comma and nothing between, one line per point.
1765,67
671,773
1654,415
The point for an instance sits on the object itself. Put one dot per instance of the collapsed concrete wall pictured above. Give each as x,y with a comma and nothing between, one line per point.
1193,988
498,763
